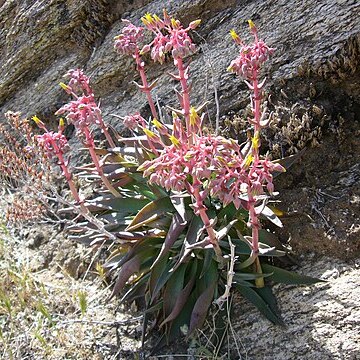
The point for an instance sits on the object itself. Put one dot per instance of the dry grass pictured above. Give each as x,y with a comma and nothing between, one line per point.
49,315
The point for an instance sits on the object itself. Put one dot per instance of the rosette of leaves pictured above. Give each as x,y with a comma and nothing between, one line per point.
158,255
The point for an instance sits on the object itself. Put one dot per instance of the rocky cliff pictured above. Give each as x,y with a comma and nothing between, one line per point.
313,88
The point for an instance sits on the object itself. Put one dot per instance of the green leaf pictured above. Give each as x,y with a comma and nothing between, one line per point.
180,299
150,212
201,308
162,279
120,205
263,306
181,204
155,274
288,277
176,228
129,268
136,290
173,287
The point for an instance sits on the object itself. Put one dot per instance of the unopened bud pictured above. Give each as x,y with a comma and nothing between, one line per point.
194,24
145,49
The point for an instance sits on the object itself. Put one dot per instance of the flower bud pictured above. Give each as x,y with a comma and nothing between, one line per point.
145,49
194,24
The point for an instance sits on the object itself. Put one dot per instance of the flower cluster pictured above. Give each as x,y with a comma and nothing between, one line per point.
78,83
132,122
251,57
52,143
81,112
175,40
128,41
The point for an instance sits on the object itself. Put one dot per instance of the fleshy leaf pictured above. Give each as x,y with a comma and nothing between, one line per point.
151,212
263,306
201,308
176,228
289,277
129,268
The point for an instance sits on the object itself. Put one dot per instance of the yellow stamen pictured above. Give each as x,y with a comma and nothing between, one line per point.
193,116
149,133
37,120
256,141
251,24
156,18
248,161
234,35
157,124
175,141
64,86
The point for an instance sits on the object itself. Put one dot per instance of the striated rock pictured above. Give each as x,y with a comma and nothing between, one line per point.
321,321
313,87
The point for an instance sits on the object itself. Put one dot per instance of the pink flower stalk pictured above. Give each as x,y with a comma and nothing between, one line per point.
83,109
128,43
248,65
55,145
171,37
82,113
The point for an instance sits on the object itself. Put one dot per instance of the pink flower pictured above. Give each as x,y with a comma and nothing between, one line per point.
170,36
132,122
127,42
81,112
52,143
79,82
250,59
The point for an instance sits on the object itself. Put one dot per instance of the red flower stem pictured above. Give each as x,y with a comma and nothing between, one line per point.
185,96
253,217
104,129
90,145
146,89
68,177
209,229
255,225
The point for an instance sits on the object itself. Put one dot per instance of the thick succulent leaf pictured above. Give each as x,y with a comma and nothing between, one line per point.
241,247
224,231
114,219
144,190
270,215
247,276
201,308
90,238
195,230
173,287
162,279
263,305
181,205
246,263
155,274
129,268
208,258
176,228
121,205
137,290
150,212
176,303
115,260
162,223
288,277
270,239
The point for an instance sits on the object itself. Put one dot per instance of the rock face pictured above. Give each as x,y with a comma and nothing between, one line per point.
313,89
